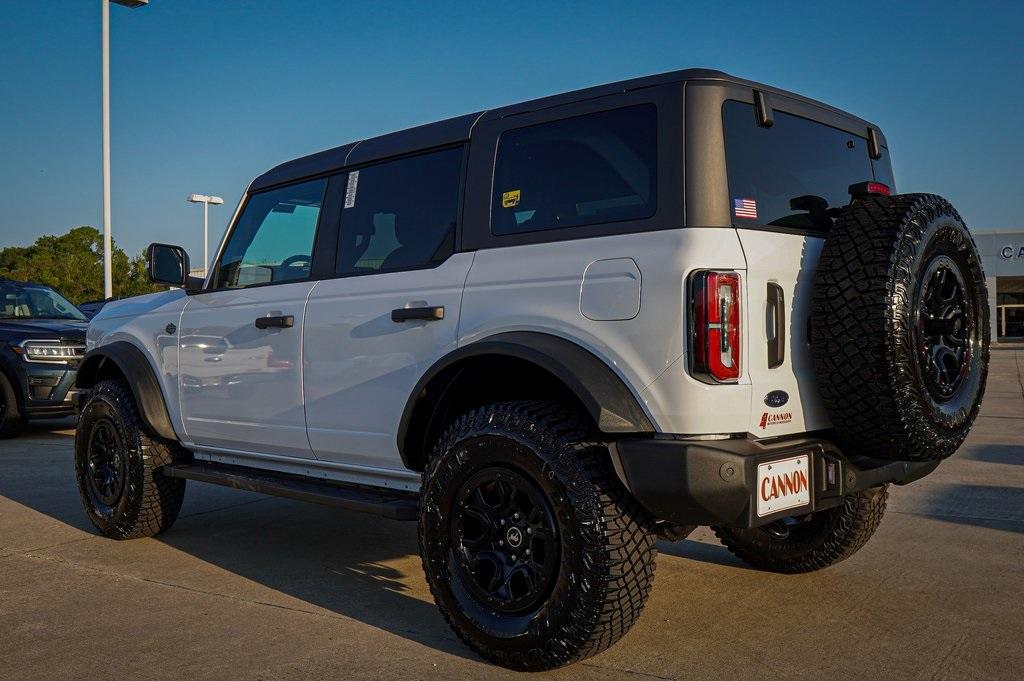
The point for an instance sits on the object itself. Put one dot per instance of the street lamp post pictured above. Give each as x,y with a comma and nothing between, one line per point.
108,284
206,201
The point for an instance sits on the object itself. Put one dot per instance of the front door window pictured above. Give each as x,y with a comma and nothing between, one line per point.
273,239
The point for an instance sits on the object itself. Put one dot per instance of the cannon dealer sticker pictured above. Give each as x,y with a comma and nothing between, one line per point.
783,484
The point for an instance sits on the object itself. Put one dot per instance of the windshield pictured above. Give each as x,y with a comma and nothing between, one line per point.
31,301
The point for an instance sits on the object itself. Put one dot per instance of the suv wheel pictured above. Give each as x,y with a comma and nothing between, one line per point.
810,542
535,553
11,420
117,467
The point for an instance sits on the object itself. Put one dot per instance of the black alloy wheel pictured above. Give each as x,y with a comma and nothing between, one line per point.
944,328
107,463
117,466
506,540
535,553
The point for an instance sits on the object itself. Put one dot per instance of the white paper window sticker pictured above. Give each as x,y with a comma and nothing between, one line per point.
351,188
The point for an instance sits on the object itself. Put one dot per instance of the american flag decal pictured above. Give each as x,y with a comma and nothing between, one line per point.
745,208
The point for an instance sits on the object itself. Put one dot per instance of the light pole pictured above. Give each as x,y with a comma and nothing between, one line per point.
108,283
206,201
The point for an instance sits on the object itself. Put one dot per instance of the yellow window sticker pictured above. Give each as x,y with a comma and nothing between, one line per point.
510,199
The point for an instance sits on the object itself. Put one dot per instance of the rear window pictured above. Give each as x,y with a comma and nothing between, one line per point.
787,174
585,170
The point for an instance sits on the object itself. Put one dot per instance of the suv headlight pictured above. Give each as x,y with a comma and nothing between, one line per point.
51,352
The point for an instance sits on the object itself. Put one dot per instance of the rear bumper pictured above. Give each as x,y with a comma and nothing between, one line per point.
713,482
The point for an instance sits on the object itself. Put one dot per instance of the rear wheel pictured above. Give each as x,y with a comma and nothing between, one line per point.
534,552
809,542
117,466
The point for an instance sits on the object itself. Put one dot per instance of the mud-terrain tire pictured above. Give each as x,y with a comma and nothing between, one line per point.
11,420
900,328
813,542
117,462
592,550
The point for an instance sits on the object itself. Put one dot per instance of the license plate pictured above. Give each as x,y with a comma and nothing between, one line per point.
783,484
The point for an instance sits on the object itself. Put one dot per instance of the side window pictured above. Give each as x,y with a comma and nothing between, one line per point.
591,169
400,214
273,238
787,174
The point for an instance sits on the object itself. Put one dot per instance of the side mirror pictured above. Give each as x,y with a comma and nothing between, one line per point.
167,265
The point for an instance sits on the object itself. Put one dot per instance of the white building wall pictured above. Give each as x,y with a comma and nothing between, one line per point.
1002,255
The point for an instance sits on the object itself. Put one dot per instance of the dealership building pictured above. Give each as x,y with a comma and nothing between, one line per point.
1002,256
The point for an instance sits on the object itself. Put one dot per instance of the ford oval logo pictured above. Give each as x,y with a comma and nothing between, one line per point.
776,398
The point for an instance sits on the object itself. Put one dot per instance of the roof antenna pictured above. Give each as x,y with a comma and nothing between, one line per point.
765,119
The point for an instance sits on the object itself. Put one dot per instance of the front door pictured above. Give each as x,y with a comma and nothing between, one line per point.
240,341
390,311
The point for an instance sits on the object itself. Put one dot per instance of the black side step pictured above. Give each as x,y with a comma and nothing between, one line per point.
389,503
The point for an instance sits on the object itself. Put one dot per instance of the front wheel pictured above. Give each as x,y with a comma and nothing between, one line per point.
11,420
810,542
535,553
117,466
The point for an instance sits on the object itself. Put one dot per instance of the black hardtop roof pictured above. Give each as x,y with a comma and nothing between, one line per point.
455,130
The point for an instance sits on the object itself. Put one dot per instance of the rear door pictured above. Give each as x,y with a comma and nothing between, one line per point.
390,310
240,341
782,179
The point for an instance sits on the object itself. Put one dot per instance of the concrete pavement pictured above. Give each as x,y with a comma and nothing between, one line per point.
252,587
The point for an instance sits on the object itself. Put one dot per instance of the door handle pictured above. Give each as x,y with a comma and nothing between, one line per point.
404,314
282,322
776,325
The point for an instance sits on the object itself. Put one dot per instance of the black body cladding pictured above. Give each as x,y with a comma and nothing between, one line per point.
122,359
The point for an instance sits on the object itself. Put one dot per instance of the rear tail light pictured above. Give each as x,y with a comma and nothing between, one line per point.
715,326
862,189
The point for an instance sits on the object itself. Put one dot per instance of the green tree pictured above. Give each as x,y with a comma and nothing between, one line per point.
73,265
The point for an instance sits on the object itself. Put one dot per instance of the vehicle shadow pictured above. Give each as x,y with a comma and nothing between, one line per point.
993,453
330,561
702,552
351,564
58,430
991,506
316,558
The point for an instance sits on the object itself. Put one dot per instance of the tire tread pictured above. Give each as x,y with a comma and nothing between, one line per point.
854,524
619,529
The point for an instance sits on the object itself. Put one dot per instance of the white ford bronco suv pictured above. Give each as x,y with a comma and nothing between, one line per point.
551,333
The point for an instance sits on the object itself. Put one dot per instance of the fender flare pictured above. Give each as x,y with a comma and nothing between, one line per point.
606,397
133,364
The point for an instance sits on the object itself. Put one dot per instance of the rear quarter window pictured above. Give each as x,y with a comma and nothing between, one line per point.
585,170
772,171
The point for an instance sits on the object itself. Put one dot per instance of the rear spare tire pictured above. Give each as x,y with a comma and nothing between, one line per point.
900,328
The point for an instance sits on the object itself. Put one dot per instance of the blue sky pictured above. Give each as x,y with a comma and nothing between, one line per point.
207,94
